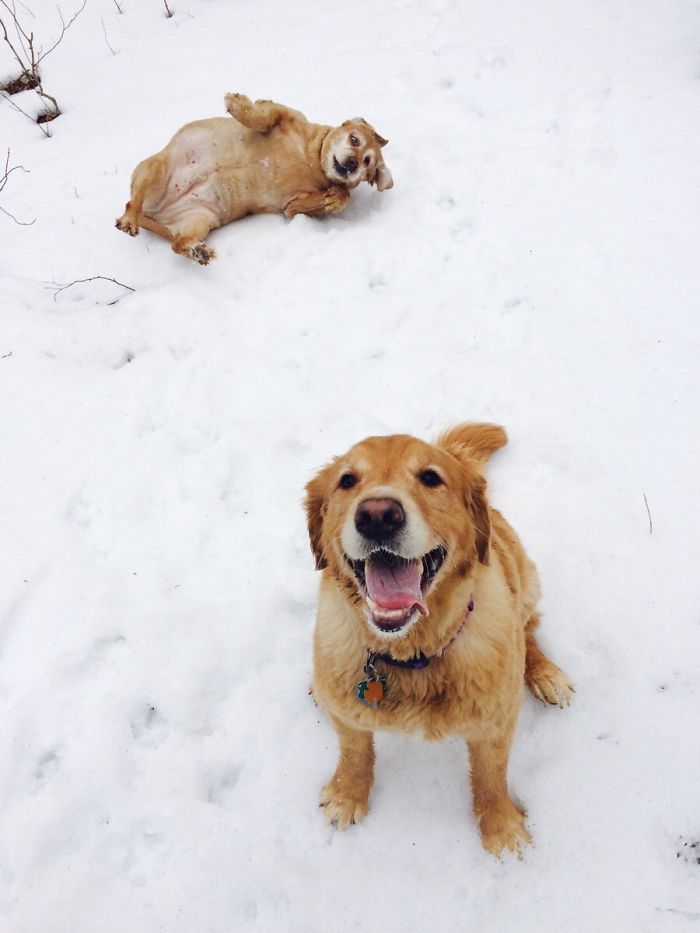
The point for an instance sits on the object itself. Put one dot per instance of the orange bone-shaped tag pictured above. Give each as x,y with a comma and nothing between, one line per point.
374,692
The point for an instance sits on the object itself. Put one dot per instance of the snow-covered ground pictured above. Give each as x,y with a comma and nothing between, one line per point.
535,265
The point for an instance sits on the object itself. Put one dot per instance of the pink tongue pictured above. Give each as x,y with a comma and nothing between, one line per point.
395,587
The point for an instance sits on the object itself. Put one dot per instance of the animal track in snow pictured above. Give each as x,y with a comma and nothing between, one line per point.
221,786
148,727
47,766
689,850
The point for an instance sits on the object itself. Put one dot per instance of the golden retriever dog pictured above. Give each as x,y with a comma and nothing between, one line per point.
427,616
268,159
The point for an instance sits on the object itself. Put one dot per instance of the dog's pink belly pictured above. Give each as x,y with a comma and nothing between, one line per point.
186,198
225,195
218,172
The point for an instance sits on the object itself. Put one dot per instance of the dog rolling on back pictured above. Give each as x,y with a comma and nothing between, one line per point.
268,159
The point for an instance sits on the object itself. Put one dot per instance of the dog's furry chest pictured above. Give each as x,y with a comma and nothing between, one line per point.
474,684
428,703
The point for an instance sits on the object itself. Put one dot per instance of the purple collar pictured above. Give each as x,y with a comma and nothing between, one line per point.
418,663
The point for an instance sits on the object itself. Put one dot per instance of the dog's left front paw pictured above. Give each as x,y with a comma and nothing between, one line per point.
342,809
549,684
504,828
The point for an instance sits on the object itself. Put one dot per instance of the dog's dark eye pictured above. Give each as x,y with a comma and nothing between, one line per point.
367,160
430,478
354,141
347,481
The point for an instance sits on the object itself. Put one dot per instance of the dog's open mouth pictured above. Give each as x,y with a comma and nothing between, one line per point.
395,587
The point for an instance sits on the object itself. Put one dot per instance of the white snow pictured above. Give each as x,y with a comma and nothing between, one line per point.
534,265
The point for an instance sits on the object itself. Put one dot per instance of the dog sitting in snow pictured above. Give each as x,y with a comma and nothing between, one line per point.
427,616
268,159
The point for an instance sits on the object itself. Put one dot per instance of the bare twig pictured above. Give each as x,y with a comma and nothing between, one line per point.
116,3
3,181
104,30
168,12
20,61
64,29
651,527
42,93
6,356
28,56
22,223
92,278
8,171
42,126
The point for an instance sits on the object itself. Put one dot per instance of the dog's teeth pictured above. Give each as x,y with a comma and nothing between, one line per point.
385,615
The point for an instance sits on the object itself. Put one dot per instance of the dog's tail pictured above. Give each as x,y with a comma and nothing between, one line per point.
473,439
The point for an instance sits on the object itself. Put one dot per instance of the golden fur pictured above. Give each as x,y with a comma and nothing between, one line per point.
268,159
473,686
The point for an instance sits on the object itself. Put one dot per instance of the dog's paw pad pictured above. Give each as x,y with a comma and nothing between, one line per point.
127,226
237,103
201,253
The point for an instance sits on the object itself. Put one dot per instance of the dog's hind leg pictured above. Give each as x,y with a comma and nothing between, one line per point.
148,223
545,681
260,116
345,796
189,240
148,182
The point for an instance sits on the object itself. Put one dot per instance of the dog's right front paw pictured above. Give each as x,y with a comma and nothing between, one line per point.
127,225
342,810
504,828
335,199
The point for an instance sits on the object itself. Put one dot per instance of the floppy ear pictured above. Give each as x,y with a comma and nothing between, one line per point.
380,141
472,445
382,177
474,440
478,509
315,510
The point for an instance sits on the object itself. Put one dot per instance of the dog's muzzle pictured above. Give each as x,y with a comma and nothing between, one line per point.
345,168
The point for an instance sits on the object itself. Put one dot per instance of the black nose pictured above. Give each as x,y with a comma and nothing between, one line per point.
351,163
379,519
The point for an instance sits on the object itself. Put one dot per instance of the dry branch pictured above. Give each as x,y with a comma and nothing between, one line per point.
651,526
92,278
44,129
3,181
104,30
28,55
